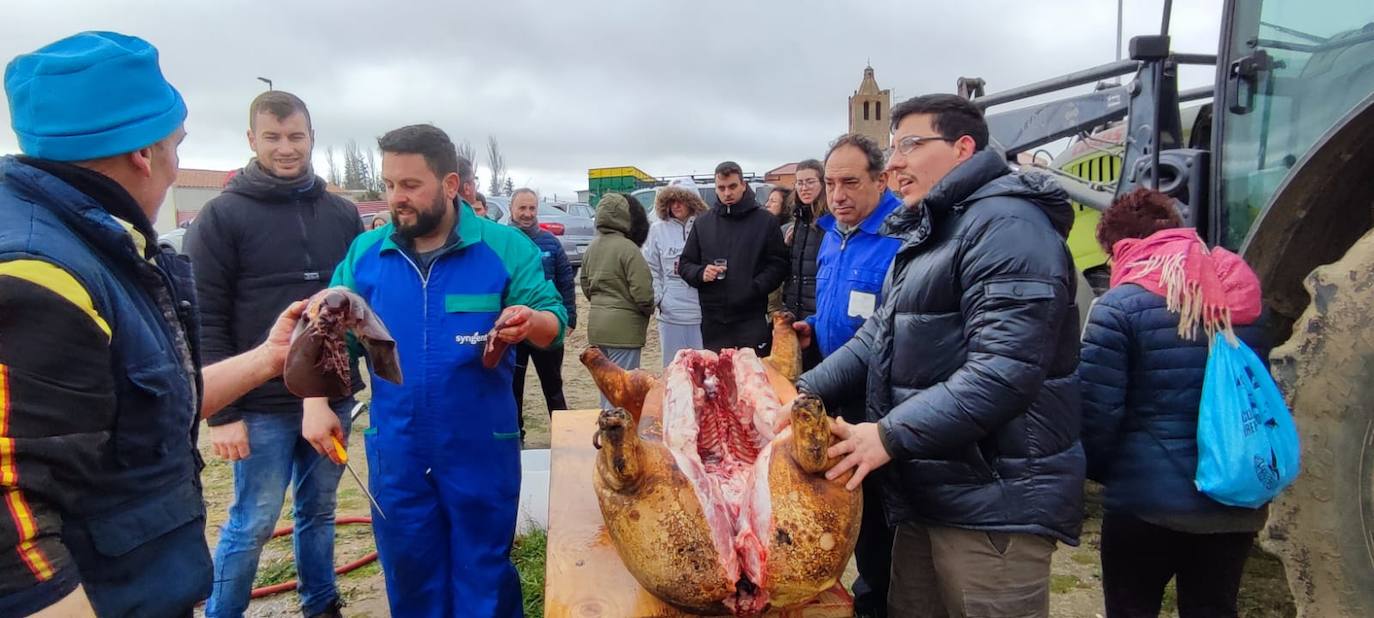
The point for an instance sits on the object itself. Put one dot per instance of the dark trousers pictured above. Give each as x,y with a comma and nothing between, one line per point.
811,357
549,365
756,334
872,554
1139,559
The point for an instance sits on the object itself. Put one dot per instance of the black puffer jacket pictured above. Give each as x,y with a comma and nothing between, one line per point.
799,291
750,239
261,245
969,362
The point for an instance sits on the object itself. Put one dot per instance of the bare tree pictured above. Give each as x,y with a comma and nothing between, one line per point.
466,151
334,178
375,186
497,163
355,168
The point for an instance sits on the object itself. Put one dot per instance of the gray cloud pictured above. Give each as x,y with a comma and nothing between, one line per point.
670,87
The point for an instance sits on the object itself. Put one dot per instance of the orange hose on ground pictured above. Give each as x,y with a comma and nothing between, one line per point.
258,593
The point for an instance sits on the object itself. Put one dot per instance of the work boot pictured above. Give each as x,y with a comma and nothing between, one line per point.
330,611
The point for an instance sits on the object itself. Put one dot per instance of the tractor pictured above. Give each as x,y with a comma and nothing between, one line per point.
1276,162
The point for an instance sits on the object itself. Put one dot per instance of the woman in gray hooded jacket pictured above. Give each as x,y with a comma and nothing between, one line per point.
679,311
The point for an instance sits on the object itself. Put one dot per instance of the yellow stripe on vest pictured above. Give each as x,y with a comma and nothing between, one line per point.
58,281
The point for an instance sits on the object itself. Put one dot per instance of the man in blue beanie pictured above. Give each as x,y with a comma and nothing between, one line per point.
101,386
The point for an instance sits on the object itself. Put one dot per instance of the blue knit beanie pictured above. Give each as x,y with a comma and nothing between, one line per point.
91,95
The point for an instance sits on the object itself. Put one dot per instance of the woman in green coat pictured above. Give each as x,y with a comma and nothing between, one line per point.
616,280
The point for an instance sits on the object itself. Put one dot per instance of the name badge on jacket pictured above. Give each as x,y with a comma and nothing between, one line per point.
861,304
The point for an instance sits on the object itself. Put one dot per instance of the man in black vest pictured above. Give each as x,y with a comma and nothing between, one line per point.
101,386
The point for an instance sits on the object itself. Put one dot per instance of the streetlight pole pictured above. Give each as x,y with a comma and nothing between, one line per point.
266,81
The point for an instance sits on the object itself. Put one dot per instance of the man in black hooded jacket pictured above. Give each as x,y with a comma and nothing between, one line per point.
735,257
968,369
273,237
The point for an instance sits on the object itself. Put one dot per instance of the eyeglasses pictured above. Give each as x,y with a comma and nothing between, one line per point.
910,142
809,182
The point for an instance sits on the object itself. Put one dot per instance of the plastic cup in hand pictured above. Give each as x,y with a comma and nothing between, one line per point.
721,262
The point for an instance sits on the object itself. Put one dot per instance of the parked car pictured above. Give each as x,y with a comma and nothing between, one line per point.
172,239
497,208
574,232
581,209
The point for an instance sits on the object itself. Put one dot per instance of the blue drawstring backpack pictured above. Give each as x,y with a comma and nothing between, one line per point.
1247,443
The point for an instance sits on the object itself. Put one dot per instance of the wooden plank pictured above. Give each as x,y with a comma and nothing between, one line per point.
584,575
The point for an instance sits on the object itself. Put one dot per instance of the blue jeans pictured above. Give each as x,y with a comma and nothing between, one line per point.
279,456
625,358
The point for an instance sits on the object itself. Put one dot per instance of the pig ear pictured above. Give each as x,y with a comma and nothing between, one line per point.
376,341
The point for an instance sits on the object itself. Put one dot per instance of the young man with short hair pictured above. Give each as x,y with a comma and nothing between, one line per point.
735,257
972,400
272,237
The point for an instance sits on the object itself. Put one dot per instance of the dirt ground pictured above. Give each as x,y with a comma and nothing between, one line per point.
1076,580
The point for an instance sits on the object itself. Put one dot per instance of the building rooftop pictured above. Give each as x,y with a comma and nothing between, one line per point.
202,179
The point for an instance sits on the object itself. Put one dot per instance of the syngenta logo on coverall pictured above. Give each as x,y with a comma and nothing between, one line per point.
473,339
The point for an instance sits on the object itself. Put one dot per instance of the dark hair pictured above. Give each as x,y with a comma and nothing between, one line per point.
785,215
466,172
821,206
426,140
729,168
952,116
481,198
280,104
872,151
639,220
1137,214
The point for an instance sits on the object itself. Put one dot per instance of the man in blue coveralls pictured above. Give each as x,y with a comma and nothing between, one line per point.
853,260
443,450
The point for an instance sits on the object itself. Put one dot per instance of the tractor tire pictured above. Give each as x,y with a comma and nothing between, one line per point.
1322,526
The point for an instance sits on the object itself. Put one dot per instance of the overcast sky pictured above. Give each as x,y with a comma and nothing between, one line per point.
670,87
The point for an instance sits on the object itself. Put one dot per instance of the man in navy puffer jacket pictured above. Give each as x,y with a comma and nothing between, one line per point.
1142,369
524,215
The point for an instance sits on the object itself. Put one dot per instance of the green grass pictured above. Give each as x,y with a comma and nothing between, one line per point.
1170,603
1264,589
1084,558
365,571
1059,584
528,555
281,567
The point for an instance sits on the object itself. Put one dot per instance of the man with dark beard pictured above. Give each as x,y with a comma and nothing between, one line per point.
273,237
448,437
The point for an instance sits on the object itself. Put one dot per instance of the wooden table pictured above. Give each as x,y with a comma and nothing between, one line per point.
584,575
